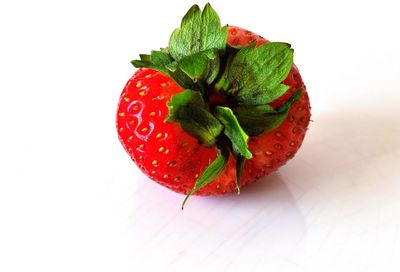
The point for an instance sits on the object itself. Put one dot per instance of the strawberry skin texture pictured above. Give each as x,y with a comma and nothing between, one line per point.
162,150
174,159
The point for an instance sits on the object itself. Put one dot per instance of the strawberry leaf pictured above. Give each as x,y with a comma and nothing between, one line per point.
204,64
233,130
194,50
259,97
211,172
157,60
162,61
196,46
258,119
199,31
190,111
254,75
240,160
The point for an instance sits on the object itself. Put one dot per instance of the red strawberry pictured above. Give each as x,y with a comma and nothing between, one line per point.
172,153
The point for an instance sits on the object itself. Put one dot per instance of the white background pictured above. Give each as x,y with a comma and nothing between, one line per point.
71,199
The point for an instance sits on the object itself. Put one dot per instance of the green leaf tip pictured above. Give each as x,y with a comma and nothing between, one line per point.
199,31
212,171
157,60
240,161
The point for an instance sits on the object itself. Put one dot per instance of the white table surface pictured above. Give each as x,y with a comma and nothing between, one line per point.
71,199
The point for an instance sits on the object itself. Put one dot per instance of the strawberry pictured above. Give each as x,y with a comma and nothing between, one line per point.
216,110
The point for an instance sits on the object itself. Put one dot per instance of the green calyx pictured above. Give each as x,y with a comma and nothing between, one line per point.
189,109
244,79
